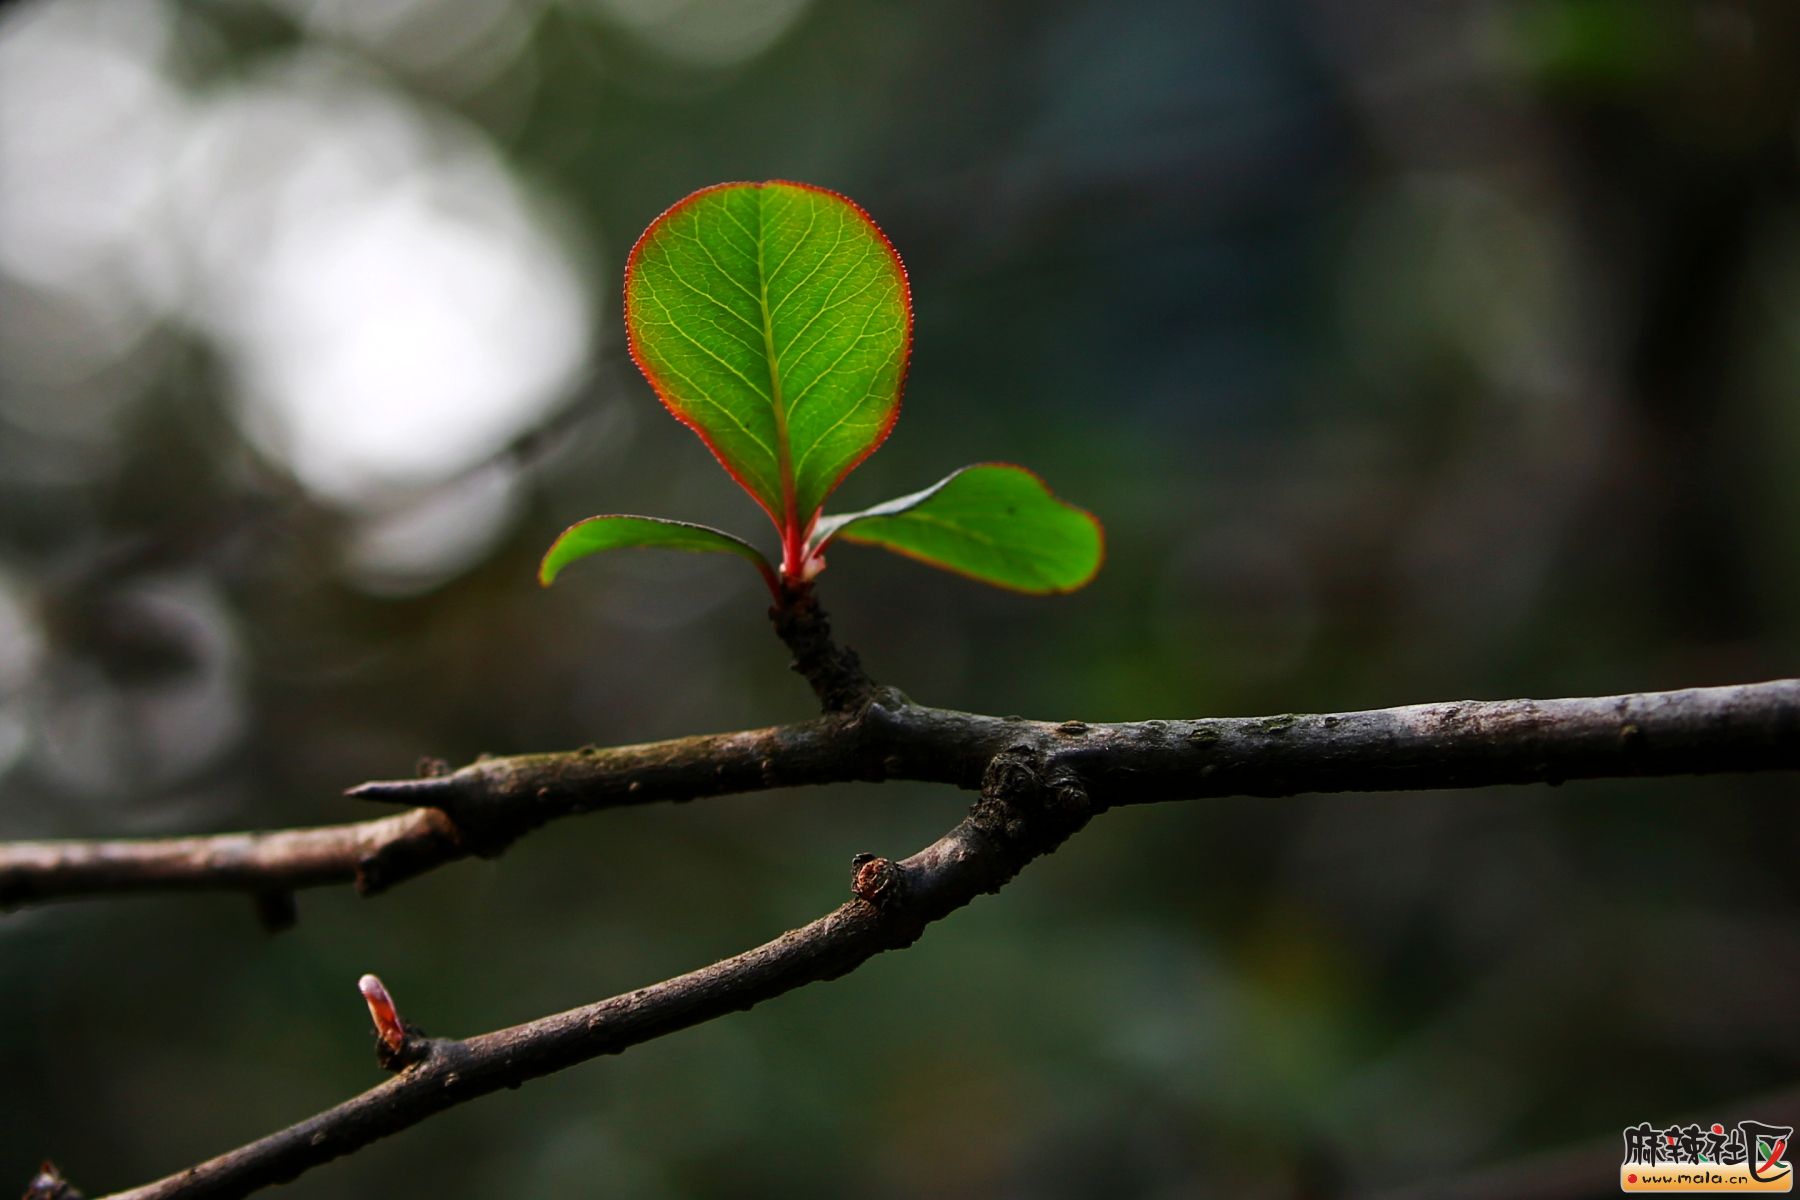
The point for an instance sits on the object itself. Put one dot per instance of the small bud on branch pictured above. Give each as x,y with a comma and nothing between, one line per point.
48,1184
388,1025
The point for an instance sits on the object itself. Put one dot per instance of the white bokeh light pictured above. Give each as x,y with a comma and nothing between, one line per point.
87,122
89,119
390,303
417,545
385,294
21,653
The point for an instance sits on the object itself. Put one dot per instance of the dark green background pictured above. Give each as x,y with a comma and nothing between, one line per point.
1409,352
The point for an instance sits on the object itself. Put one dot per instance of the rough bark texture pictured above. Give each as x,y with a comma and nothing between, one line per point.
371,854
1027,808
482,807
835,673
1038,783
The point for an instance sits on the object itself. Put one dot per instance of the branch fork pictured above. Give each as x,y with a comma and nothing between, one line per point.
1038,784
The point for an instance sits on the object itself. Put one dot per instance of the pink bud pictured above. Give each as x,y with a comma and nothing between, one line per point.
381,1008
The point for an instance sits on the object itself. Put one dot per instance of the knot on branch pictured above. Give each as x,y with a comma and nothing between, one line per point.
1065,793
835,673
1030,802
414,1048
878,881
1014,775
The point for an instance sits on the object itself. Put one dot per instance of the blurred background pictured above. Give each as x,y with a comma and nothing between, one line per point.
1409,352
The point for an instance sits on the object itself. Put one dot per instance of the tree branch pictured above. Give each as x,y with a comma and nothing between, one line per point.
1039,783
371,854
483,807
1027,809
835,673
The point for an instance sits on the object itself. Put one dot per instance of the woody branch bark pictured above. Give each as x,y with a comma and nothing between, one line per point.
1027,808
482,807
1039,783
1040,787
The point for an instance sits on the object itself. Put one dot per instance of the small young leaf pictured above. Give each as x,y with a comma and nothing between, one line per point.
773,319
620,532
994,522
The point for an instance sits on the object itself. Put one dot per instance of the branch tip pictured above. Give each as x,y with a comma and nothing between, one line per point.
1039,784
399,1043
399,791
49,1184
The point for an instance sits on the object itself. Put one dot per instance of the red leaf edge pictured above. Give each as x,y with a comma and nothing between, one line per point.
794,537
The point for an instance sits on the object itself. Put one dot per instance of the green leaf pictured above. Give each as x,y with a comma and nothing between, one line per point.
622,532
994,522
773,319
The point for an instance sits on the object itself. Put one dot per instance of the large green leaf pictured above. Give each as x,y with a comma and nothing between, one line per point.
774,319
994,522
621,532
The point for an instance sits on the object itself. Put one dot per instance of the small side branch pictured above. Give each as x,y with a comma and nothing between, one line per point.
370,854
834,672
1039,784
1026,810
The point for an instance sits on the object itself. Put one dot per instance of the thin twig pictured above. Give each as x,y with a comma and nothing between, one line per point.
371,854
1040,784
835,673
1027,809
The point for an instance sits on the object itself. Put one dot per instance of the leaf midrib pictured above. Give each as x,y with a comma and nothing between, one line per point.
784,458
